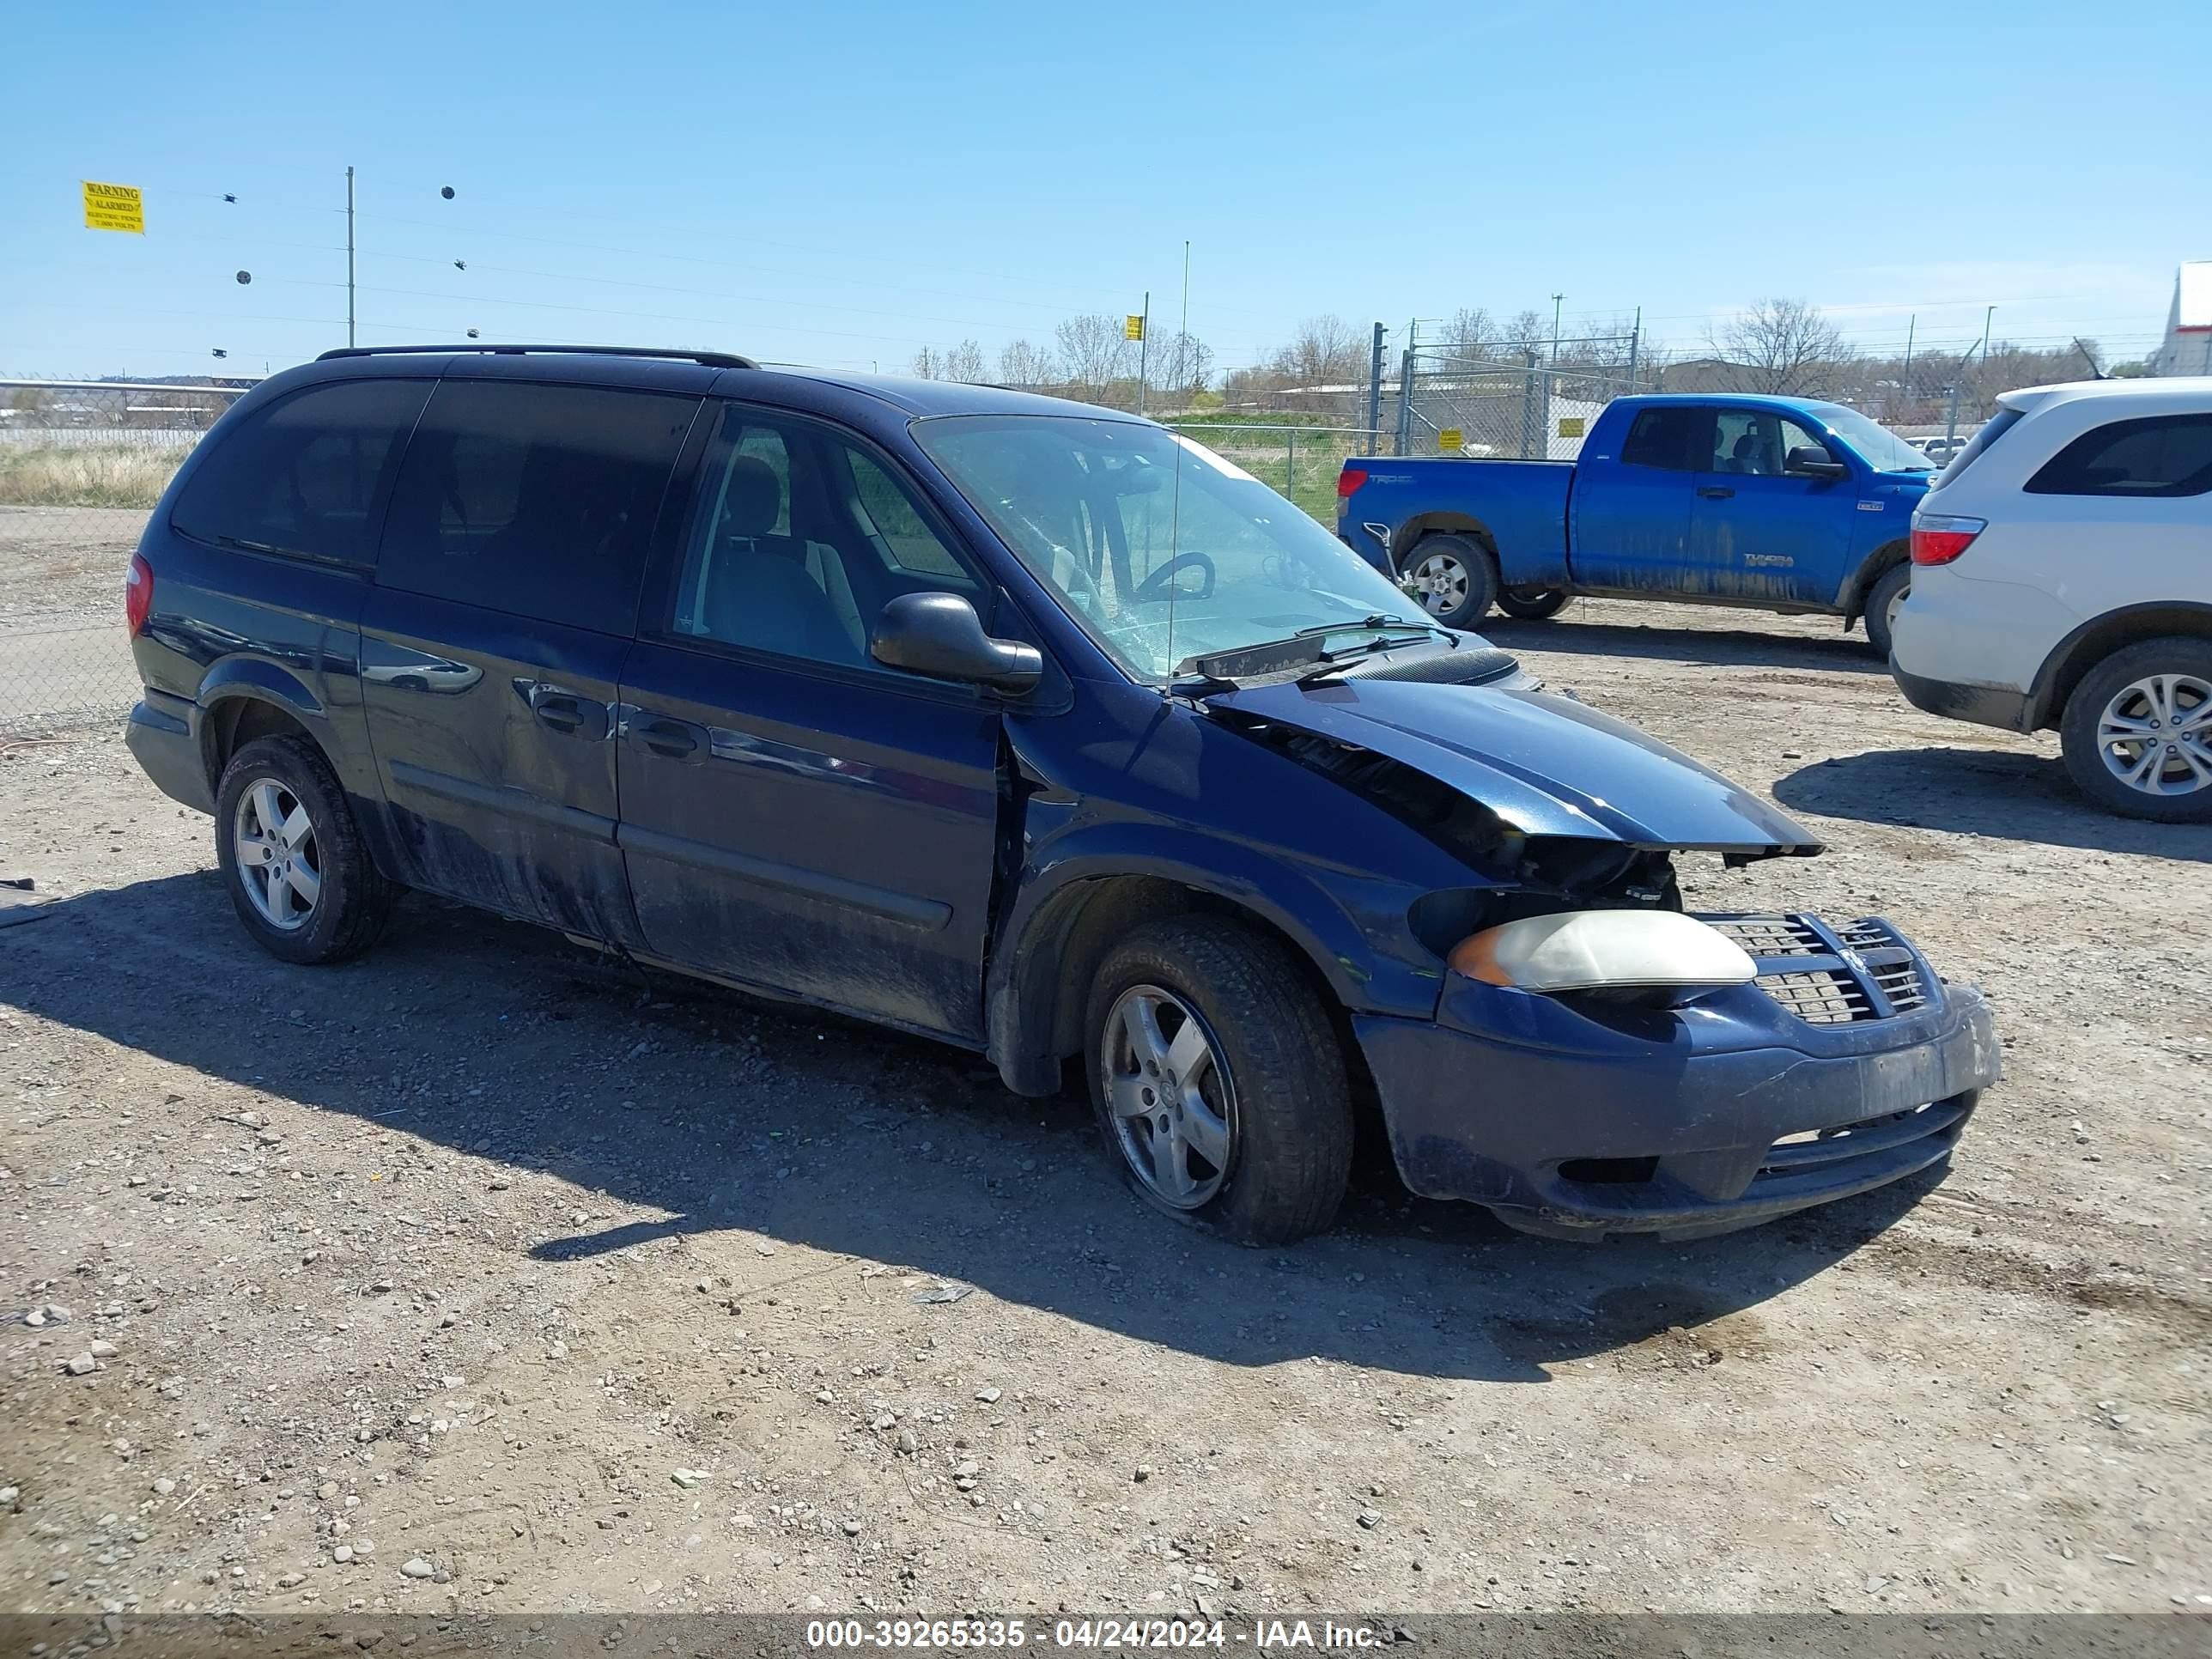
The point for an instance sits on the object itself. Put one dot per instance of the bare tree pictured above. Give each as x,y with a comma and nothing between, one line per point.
1327,350
1183,364
1021,364
1788,347
927,366
1094,351
963,362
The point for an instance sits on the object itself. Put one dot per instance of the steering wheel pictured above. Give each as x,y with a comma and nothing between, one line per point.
1156,585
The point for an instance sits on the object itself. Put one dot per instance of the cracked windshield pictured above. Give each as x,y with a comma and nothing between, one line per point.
1095,510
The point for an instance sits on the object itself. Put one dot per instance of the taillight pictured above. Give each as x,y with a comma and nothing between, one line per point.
1347,481
138,594
1938,538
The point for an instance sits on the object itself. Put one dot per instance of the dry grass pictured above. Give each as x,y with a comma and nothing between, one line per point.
90,476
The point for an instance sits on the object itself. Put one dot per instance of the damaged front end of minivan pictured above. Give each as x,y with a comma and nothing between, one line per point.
1599,1061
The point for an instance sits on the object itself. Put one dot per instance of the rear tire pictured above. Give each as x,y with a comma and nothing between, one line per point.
1533,603
1270,1163
1882,600
2137,731
292,857
1455,578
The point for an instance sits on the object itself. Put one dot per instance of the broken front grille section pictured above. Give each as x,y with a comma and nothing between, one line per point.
1825,996
1862,971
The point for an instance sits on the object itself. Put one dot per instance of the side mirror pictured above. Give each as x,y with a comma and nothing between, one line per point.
939,634
1814,461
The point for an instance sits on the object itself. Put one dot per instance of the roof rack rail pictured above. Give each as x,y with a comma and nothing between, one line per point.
711,359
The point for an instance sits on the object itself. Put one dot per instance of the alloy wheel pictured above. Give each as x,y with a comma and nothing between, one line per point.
2155,734
279,864
1440,581
1172,1101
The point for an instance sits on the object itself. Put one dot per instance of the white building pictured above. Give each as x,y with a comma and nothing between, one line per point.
2187,348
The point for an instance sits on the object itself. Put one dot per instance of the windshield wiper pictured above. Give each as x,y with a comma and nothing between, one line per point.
1376,620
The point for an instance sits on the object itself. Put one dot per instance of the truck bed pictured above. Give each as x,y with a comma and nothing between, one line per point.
1521,505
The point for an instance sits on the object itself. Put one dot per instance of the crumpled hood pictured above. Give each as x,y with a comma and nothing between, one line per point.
1546,764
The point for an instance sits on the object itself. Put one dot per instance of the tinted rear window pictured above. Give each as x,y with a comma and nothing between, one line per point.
535,500
302,475
2156,456
1992,429
1680,439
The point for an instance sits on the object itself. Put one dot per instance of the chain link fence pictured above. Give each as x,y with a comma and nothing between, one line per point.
80,465
1527,400
1300,460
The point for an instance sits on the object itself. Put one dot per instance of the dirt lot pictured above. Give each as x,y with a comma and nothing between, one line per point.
475,1262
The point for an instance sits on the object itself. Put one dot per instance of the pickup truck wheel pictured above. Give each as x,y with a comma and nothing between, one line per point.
1217,1082
1883,601
2137,731
1453,577
291,854
1533,604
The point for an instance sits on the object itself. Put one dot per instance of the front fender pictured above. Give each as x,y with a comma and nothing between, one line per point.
1354,930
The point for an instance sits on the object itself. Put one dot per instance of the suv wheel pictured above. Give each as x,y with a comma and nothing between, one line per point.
1883,601
292,857
1453,577
1533,604
1217,1081
2137,731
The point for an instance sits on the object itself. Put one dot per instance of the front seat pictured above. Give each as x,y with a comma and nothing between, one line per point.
758,592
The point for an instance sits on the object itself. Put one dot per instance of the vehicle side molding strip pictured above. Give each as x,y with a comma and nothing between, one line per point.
519,802
927,914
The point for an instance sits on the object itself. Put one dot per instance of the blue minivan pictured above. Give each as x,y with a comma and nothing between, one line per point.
1026,727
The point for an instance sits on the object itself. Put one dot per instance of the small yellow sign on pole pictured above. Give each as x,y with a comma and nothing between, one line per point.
1451,440
1132,328
114,207
1573,426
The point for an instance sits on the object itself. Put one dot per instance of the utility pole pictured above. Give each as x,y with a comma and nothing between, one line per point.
1635,344
1374,393
349,256
1904,386
1556,298
1144,347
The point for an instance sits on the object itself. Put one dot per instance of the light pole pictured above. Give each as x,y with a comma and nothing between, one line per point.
349,256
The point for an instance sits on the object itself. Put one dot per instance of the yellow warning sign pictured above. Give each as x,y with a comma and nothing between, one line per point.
114,207
1132,328
1573,426
1451,439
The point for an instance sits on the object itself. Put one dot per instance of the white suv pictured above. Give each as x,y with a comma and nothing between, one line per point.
2063,577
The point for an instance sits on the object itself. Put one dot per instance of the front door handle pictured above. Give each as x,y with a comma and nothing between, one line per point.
670,739
567,713
1714,492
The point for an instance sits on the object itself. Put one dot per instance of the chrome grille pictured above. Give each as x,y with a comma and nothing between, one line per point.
1824,996
1860,971
1771,936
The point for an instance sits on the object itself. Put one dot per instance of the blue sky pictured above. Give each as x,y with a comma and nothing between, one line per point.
843,183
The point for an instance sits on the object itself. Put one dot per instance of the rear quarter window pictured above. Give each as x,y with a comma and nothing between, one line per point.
2156,456
304,474
1678,440
1992,429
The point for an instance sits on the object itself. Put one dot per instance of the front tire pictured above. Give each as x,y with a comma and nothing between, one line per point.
1453,577
2137,731
1883,601
1217,1080
292,857
1533,604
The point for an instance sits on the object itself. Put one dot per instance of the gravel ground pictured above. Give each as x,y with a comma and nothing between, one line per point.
476,1276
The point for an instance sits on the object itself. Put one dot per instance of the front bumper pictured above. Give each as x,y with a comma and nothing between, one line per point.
1578,1120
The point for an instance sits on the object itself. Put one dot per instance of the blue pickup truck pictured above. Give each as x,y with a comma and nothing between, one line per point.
1773,503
